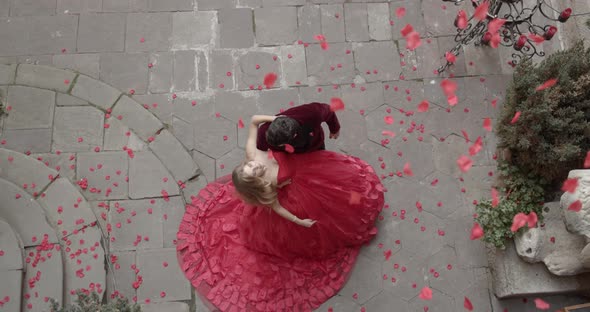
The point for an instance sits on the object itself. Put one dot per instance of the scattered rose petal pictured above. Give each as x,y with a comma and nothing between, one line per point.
408,170
536,38
570,185
532,219
587,160
481,12
426,293
495,200
240,123
451,58
289,148
336,104
476,231
400,12
515,118
495,25
448,86
452,100
476,147
519,220
406,30
413,41
467,304
464,163
388,133
270,79
461,19
487,124
547,84
423,106
575,206
388,119
541,305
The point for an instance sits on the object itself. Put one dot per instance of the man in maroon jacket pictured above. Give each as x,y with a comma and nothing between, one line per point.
301,127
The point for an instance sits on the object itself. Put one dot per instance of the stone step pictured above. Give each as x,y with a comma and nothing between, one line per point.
10,290
43,279
11,254
26,172
24,214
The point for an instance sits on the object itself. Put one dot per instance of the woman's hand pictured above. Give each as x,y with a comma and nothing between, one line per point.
306,222
285,183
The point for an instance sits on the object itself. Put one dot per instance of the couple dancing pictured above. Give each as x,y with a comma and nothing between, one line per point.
282,232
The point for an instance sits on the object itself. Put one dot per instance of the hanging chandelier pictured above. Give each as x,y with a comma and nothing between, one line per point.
505,22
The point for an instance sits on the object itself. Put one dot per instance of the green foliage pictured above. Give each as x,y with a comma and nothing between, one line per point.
93,303
2,110
523,192
552,134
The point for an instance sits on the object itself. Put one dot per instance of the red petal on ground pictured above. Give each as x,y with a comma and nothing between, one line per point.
575,206
400,12
487,124
406,30
476,231
423,107
467,304
426,293
413,41
541,305
270,79
464,163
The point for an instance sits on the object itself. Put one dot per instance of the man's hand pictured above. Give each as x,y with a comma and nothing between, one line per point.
334,135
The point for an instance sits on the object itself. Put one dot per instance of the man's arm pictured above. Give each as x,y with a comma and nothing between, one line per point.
327,116
253,132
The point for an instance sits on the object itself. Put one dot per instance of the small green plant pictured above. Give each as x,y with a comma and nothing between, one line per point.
2,109
522,192
92,303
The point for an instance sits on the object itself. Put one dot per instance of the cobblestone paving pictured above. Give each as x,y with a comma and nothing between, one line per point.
98,160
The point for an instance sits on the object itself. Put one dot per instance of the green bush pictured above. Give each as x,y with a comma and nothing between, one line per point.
522,192
552,134
92,303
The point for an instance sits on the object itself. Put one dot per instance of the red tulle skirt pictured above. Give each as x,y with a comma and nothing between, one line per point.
241,257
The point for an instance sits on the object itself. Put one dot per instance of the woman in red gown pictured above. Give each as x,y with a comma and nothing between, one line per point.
282,233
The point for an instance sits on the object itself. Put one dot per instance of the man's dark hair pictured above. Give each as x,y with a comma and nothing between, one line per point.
282,131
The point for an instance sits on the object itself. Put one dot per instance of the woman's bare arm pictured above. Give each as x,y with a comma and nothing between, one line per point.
252,133
281,211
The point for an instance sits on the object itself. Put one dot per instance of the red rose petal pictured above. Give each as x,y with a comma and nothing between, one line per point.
536,38
413,41
481,12
495,200
464,163
423,106
547,84
400,12
336,104
448,86
467,304
426,293
408,170
461,19
476,231
388,119
406,30
575,206
519,220
388,133
270,79
476,147
487,124
587,160
515,118
289,148
240,123
532,219
451,58
570,185
541,305
495,25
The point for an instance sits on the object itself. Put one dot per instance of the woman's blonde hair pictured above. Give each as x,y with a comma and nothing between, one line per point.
254,189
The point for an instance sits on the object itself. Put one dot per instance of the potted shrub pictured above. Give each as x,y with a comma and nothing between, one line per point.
91,302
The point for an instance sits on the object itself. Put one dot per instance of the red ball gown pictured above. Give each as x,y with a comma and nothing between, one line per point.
248,258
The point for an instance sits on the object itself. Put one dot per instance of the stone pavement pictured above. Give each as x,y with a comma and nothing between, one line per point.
120,110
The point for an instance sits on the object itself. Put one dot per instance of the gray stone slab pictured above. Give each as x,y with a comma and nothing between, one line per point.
382,57
356,22
276,25
236,105
515,278
192,29
385,301
327,1
161,73
118,136
44,77
147,175
220,64
170,6
25,215
226,163
19,44
294,65
63,99
353,131
320,63
404,94
482,60
254,66
136,224
12,248
214,136
340,303
379,28
27,140
136,117
422,244
83,263
365,280
7,74
276,101
95,92
413,16
101,33
183,131
28,173
161,282
160,105
106,174
318,94
174,156
101,212
75,212
79,6
190,192
87,64
32,7
185,74
309,20
202,71
125,71
439,302
333,22
207,166
452,282
440,22
4,8
148,31
172,213
11,289
125,6
42,38
50,283
365,97
77,128
121,277
236,28
165,306
32,108
194,107
45,60
204,5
